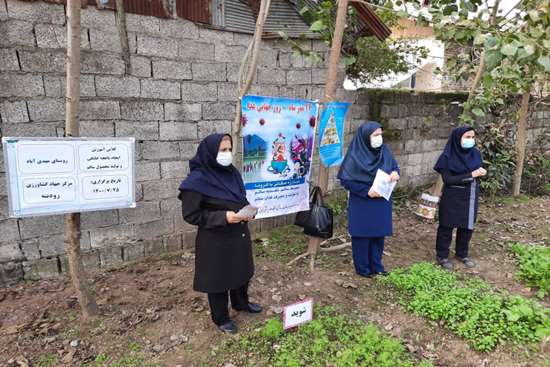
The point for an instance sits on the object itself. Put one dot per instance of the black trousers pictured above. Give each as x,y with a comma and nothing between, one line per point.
445,237
219,302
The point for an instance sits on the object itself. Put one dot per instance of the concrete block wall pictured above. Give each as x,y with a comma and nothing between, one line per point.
181,86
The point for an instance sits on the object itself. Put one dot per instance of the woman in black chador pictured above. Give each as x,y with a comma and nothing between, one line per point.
459,166
211,195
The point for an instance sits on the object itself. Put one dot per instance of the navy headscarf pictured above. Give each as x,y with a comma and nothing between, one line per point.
362,160
457,159
209,177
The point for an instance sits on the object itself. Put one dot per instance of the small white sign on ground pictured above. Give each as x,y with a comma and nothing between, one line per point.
65,175
297,313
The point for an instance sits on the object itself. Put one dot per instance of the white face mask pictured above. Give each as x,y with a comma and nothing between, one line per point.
376,141
224,158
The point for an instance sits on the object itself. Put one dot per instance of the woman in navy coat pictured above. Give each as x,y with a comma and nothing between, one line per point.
459,166
369,215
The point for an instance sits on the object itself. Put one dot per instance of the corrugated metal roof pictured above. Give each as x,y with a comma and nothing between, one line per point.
283,16
239,17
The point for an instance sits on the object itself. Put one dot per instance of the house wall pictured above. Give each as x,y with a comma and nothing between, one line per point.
181,87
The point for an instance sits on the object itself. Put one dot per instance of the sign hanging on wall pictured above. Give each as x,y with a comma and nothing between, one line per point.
331,132
66,175
278,137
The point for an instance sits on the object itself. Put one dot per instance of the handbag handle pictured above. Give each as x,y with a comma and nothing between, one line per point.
316,196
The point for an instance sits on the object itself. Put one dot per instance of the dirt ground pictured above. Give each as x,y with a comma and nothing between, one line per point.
151,307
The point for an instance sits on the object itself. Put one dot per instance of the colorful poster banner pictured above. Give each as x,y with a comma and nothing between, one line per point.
278,136
331,132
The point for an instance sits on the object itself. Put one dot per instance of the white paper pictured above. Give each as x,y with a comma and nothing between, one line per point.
297,313
382,184
248,211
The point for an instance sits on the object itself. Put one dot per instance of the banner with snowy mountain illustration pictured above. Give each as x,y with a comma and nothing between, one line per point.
331,132
278,136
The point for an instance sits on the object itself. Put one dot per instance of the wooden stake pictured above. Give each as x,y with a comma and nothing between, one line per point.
330,95
72,221
122,33
520,141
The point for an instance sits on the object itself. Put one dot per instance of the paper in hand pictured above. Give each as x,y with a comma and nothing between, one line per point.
248,211
382,184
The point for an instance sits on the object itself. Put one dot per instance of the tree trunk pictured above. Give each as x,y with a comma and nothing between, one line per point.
521,141
72,221
122,33
330,94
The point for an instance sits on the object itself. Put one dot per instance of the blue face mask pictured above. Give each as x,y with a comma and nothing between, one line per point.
468,143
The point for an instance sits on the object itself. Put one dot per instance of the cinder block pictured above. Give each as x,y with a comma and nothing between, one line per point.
44,61
133,252
187,149
163,69
104,41
8,60
192,50
173,243
52,245
216,126
140,66
153,247
189,239
55,36
104,129
30,250
99,110
318,76
218,111
233,73
209,71
170,208
159,150
110,256
159,47
267,57
140,130
161,189
178,131
9,230
142,24
119,234
12,112
196,92
145,211
41,269
174,169
182,112
3,11
91,17
242,39
46,129
228,92
10,252
39,226
271,76
142,111
178,28
56,85
46,110
153,230
103,218
36,12
216,37
223,53
146,171
160,89
125,87
96,63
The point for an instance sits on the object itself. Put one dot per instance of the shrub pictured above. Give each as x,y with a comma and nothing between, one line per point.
534,266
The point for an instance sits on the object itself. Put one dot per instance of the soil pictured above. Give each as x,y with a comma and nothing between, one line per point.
151,305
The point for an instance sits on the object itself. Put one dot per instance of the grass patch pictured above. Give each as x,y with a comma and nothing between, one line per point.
131,359
534,266
470,307
47,360
282,244
329,340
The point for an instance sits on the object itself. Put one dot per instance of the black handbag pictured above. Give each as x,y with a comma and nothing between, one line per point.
317,221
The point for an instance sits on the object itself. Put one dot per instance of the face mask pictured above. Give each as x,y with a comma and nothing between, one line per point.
468,143
224,158
376,141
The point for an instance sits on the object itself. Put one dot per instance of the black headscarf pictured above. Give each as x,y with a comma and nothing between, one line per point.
362,160
457,159
209,177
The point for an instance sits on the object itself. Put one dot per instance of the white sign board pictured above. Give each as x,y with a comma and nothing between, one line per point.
297,313
66,175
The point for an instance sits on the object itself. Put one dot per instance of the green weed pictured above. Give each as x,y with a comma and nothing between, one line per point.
534,266
470,307
47,360
330,339
133,359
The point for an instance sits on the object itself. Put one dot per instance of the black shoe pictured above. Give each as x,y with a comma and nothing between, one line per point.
445,263
383,273
228,327
254,308
467,262
370,276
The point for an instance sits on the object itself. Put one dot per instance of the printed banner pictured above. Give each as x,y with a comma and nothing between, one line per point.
331,132
278,136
